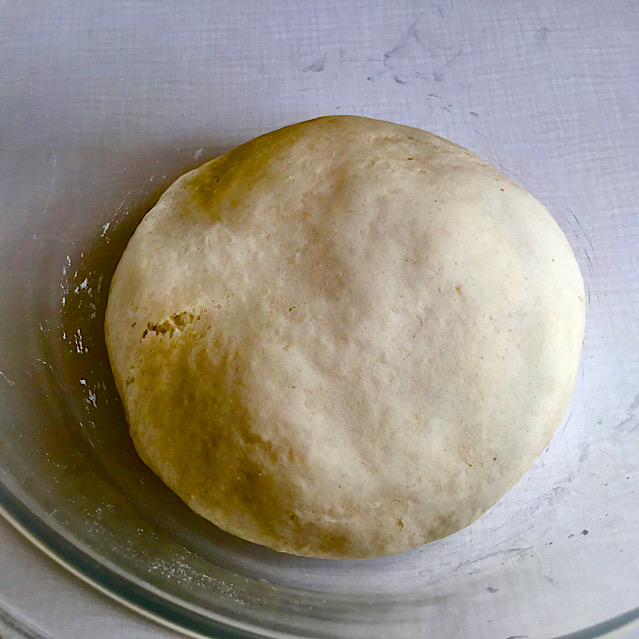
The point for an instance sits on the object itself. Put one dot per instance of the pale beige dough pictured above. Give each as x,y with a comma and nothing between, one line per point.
345,338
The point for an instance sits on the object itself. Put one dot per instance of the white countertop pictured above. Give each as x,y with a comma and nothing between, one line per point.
545,91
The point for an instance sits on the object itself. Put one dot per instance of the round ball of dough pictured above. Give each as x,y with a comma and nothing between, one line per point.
344,338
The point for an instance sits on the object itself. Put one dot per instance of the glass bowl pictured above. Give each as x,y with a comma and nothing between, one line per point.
558,554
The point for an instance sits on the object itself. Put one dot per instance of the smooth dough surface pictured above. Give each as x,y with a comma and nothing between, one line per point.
344,338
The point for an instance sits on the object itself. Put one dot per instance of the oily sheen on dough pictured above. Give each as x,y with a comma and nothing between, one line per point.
344,338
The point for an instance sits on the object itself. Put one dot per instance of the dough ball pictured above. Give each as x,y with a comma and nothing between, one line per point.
344,338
